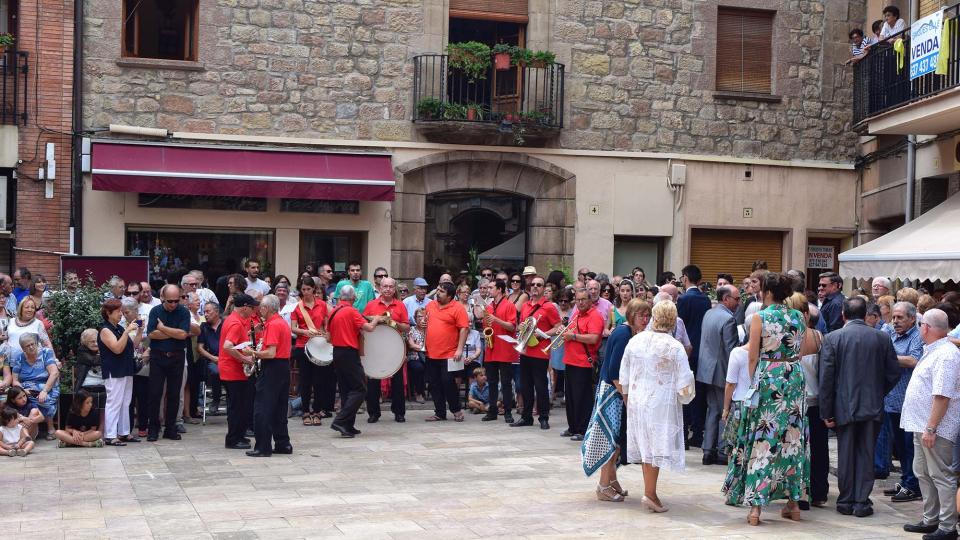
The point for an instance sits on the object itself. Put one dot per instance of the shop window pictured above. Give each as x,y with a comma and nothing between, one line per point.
744,50
164,29
334,248
202,202
319,207
218,252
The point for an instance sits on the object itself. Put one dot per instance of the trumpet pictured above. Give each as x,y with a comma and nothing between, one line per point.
527,335
557,340
488,335
250,370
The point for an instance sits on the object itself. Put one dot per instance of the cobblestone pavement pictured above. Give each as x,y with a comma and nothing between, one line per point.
413,480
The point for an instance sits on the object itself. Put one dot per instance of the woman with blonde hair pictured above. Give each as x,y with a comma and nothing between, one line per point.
655,377
26,322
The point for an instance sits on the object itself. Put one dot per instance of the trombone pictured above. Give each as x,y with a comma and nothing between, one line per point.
557,340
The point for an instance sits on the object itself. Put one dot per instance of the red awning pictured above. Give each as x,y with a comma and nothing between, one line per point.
238,172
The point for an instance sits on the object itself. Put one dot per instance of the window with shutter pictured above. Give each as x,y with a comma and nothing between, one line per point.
744,50
490,10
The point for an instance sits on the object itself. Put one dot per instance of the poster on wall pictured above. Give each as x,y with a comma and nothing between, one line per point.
820,257
925,36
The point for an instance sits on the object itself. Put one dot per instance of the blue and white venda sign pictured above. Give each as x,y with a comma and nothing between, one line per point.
925,44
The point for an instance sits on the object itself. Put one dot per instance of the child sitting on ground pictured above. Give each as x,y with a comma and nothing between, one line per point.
82,423
27,412
479,398
15,439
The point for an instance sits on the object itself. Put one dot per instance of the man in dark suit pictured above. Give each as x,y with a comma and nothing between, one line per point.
858,366
691,307
717,339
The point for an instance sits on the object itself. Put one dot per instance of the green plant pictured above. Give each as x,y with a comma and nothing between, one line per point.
543,58
534,117
454,111
471,57
7,39
503,48
567,271
479,111
71,315
473,264
429,108
519,130
520,56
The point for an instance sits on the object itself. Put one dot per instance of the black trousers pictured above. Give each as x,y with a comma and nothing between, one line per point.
398,404
352,382
240,395
196,371
578,391
855,446
533,377
308,382
443,387
139,408
695,415
165,368
819,456
270,405
326,379
500,374
416,369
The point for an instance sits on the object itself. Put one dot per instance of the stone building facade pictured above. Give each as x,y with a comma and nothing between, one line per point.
639,98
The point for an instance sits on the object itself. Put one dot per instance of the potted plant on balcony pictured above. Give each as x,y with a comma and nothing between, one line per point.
520,56
475,111
502,54
6,40
542,59
471,57
429,108
454,111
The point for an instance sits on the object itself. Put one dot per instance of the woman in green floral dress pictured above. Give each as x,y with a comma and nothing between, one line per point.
769,460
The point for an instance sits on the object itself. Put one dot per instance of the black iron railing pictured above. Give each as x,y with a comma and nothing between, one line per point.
526,94
881,80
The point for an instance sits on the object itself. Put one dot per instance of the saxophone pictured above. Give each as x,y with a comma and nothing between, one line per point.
253,369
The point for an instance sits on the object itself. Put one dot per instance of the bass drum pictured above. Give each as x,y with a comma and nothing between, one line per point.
383,352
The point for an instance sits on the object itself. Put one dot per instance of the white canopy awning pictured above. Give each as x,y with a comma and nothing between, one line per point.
926,248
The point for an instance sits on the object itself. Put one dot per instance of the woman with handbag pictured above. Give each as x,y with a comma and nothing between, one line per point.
656,381
769,461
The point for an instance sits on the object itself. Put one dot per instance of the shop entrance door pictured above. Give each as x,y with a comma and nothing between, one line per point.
330,247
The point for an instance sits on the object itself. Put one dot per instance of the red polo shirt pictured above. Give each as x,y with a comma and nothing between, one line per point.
276,332
547,317
318,315
344,326
236,330
398,312
575,352
502,351
443,329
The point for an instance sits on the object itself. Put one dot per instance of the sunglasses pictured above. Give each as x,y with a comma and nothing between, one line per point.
486,275
132,293
514,281
536,284
380,276
171,301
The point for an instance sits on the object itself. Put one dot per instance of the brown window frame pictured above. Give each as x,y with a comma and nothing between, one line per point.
192,34
739,32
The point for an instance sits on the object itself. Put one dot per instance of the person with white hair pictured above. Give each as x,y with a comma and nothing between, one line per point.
35,370
931,411
273,382
344,326
880,287
679,331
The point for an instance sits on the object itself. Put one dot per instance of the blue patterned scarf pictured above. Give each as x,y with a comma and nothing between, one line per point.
600,441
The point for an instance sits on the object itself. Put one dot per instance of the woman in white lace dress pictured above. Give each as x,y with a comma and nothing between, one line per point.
653,369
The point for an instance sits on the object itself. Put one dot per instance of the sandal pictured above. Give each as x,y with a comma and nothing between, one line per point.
435,418
608,494
753,519
130,439
790,513
317,419
307,419
458,416
114,442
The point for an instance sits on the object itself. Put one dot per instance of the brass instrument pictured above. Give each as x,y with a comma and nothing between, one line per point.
250,370
557,340
388,321
527,335
488,335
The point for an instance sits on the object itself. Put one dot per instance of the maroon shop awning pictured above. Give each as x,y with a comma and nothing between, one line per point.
239,172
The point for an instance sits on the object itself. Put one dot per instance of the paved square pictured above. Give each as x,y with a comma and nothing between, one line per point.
415,480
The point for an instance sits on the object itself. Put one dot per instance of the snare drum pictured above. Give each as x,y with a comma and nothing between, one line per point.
383,352
319,351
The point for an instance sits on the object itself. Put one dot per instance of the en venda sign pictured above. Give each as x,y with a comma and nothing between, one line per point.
925,44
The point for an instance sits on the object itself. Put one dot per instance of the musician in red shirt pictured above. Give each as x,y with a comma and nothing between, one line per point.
345,324
447,324
498,360
534,362
581,344
388,308
308,320
273,383
234,331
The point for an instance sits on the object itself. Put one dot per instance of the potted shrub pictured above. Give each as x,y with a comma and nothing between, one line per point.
6,40
520,56
71,315
502,54
542,59
429,108
455,111
471,57
475,111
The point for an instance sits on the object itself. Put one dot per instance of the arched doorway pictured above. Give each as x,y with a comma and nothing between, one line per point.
461,227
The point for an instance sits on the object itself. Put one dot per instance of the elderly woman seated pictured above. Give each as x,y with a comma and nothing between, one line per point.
35,369
30,416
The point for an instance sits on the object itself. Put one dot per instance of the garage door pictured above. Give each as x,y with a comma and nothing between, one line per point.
733,251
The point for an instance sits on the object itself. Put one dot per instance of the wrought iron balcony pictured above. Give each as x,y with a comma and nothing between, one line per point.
881,80
520,105
13,87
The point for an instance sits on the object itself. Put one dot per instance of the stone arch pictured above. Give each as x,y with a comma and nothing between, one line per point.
551,189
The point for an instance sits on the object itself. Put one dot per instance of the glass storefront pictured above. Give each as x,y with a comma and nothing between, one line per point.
217,251
334,248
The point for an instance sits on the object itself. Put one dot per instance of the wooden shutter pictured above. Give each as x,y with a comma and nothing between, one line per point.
734,250
744,43
490,10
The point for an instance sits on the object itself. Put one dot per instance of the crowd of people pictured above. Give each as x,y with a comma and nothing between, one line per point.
755,375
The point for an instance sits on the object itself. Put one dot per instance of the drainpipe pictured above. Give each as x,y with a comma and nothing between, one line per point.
76,186
911,142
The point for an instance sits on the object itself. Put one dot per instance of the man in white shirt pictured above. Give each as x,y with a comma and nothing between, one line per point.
147,300
418,299
931,411
892,23
206,295
252,267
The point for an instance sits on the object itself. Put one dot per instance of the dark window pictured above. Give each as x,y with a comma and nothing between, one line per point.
319,207
744,50
202,202
165,29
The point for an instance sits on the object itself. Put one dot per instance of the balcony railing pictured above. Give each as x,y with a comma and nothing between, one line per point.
13,87
881,83
526,95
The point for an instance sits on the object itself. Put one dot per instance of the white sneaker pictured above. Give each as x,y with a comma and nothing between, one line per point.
12,453
22,453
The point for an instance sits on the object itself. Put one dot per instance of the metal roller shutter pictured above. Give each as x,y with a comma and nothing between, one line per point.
490,10
734,251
